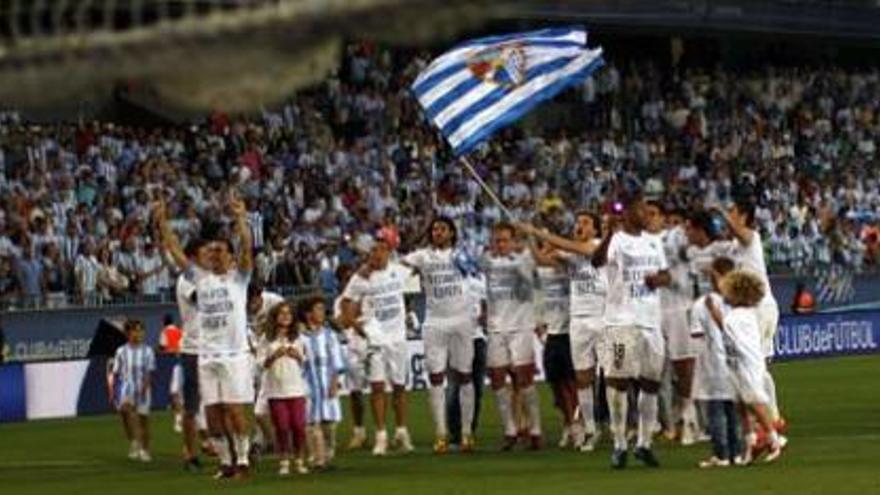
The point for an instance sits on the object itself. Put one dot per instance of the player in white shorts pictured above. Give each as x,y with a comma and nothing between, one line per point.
676,301
374,301
747,250
587,307
553,324
355,349
198,252
632,349
448,329
511,330
743,291
225,364
260,302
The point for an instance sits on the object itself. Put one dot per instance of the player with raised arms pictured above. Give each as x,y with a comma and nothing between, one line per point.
448,330
225,363
588,289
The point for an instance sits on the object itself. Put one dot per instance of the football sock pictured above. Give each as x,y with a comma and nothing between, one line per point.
688,411
617,409
585,401
438,409
503,397
530,396
647,418
467,399
242,448
221,446
770,388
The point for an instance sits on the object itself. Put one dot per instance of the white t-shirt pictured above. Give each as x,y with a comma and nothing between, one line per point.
381,299
744,350
222,311
630,302
678,296
284,379
510,292
751,257
554,309
589,287
446,299
700,262
712,379
185,289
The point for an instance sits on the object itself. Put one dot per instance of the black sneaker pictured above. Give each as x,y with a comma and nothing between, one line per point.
508,444
193,465
647,457
225,473
618,459
256,454
242,472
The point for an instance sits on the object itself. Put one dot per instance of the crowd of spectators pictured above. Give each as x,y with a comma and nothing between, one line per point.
353,155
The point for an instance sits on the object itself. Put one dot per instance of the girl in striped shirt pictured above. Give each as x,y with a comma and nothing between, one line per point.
282,354
131,388
323,367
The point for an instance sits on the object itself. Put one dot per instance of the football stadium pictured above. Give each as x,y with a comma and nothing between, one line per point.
439,247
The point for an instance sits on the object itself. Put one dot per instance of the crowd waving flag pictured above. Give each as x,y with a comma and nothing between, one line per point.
483,85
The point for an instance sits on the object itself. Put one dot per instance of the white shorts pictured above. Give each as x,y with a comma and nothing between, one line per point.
749,384
632,352
768,322
449,347
585,335
508,349
677,333
226,380
387,364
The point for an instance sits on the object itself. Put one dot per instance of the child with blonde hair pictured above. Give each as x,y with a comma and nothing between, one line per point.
742,291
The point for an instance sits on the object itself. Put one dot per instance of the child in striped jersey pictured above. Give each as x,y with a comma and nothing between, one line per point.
130,389
323,369
282,355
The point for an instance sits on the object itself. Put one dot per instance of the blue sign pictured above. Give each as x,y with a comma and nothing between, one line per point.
852,332
13,406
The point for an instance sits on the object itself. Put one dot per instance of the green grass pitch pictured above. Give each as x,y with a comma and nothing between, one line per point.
833,408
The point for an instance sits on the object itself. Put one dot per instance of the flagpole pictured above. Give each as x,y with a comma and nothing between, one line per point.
486,188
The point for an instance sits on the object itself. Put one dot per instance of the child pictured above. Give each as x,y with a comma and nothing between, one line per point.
130,389
742,290
712,379
323,368
282,355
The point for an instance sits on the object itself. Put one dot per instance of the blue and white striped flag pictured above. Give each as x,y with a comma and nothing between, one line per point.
483,85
